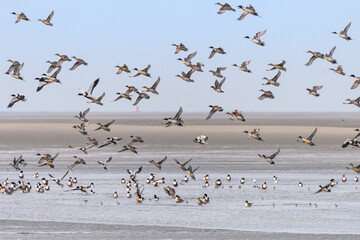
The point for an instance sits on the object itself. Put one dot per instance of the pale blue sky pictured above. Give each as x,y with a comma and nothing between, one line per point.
138,33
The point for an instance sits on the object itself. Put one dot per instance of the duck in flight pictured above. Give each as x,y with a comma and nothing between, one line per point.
273,81
224,7
16,98
214,109
308,140
152,89
250,9
256,39
243,66
218,50
143,72
279,66
20,16
158,164
79,62
180,47
47,21
270,158
176,120
314,56
217,86
343,33
314,90
328,56
88,94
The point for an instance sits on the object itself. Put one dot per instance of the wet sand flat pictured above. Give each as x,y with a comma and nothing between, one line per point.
283,211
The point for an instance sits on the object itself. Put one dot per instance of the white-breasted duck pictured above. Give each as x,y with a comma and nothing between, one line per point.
270,158
250,9
308,140
314,90
254,134
218,50
256,39
343,33
217,85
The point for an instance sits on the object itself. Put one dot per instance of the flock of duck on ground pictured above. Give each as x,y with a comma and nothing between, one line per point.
48,160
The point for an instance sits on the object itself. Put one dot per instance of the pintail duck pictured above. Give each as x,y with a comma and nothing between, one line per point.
217,73
236,115
123,95
248,204
47,159
105,127
279,66
197,67
343,179
224,7
143,72
81,129
214,109
186,76
243,66
356,83
250,9
266,94
338,70
255,134
16,161
329,58
202,139
187,60
77,162
15,67
309,139
343,33
256,39
314,90
178,199
176,120
20,16
16,98
129,147
141,96
152,89
63,57
218,50
180,47
270,158
123,68
273,81
182,165
314,56
217,85
53,65
175,183
158,164
58,181
355,168
170,191
79,62
47,21
104,163
323,189
82,115
136,139
356,102
191,172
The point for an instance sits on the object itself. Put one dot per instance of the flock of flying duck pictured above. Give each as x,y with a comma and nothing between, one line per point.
46,159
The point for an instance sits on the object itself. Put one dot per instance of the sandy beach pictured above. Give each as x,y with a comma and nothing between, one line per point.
283,211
